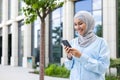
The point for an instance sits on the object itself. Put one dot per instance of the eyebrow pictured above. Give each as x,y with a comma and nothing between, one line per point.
81,21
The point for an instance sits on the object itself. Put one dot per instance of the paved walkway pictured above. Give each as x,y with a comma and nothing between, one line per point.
20,73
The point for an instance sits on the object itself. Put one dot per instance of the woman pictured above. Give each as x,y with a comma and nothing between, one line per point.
88,59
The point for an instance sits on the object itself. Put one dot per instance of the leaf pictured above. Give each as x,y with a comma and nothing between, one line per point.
39,8
35,6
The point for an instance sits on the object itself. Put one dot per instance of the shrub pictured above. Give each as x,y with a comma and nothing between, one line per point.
111,77
115,63
57,71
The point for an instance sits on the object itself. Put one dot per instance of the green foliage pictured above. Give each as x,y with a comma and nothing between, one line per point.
36,72
112,77
39,8
34,66
57,71
115,63
99,30
57,31
60,71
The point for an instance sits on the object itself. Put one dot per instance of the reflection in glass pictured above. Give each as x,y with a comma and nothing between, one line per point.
36,39
98,25
9,9
56,34
118,32
118,29
83,5
97,4
20,42
20,5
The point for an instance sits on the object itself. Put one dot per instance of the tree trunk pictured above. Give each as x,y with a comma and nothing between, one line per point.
42,49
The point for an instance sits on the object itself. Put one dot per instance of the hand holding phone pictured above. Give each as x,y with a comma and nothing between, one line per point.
66,43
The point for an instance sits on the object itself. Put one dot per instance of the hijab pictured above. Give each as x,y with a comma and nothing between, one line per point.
89,36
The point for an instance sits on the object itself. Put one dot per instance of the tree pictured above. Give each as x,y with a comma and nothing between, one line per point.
99,30
40,8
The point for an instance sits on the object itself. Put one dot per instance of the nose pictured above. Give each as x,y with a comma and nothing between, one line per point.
78,27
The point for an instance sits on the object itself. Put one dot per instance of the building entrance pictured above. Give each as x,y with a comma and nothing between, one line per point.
9,48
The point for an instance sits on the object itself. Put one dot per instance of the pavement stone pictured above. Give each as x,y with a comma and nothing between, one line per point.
20,73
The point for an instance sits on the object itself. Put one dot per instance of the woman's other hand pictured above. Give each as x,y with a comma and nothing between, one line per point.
75,52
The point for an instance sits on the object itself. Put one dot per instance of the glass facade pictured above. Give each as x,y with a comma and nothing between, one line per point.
20,5
55,36
20,42
118,31
36,39
95,7
83,5
9,9
118,28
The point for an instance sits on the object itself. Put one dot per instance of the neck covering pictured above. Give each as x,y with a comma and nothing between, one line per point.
89,36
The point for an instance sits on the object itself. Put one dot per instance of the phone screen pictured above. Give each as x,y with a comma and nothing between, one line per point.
66,43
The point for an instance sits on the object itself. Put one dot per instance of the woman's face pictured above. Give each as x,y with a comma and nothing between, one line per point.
79,26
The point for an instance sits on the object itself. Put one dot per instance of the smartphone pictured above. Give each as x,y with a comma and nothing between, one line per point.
66,43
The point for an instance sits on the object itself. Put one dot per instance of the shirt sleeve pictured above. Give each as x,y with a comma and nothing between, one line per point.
69,64
99,65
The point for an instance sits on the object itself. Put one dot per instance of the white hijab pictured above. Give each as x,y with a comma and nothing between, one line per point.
89,36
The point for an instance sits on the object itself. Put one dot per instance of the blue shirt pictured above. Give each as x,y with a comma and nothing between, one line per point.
92,64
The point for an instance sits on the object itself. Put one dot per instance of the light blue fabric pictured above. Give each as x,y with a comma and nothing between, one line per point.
93,63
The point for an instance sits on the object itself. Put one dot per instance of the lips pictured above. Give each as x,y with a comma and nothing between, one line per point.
80,31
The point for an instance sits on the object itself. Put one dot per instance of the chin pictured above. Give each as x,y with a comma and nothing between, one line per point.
81,34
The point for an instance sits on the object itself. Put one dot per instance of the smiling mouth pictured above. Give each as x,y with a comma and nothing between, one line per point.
81,30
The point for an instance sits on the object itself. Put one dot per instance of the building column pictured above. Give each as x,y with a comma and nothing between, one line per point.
68,13
14,9
4,11
109,27
5,46
14,27
26,44
5,33
47,42
14,57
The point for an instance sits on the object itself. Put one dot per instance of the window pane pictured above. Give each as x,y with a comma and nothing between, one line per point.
98,22
97,4
20,5
36,47
56,34
83,5
9,9
118,29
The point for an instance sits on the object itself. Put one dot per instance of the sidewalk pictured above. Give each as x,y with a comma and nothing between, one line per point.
20,73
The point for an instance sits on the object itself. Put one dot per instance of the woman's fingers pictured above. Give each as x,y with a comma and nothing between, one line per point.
67,49
72,51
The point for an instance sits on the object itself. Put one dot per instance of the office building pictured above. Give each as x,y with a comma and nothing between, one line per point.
19,41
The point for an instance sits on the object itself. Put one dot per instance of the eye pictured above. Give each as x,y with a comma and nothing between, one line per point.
80,23
75,24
